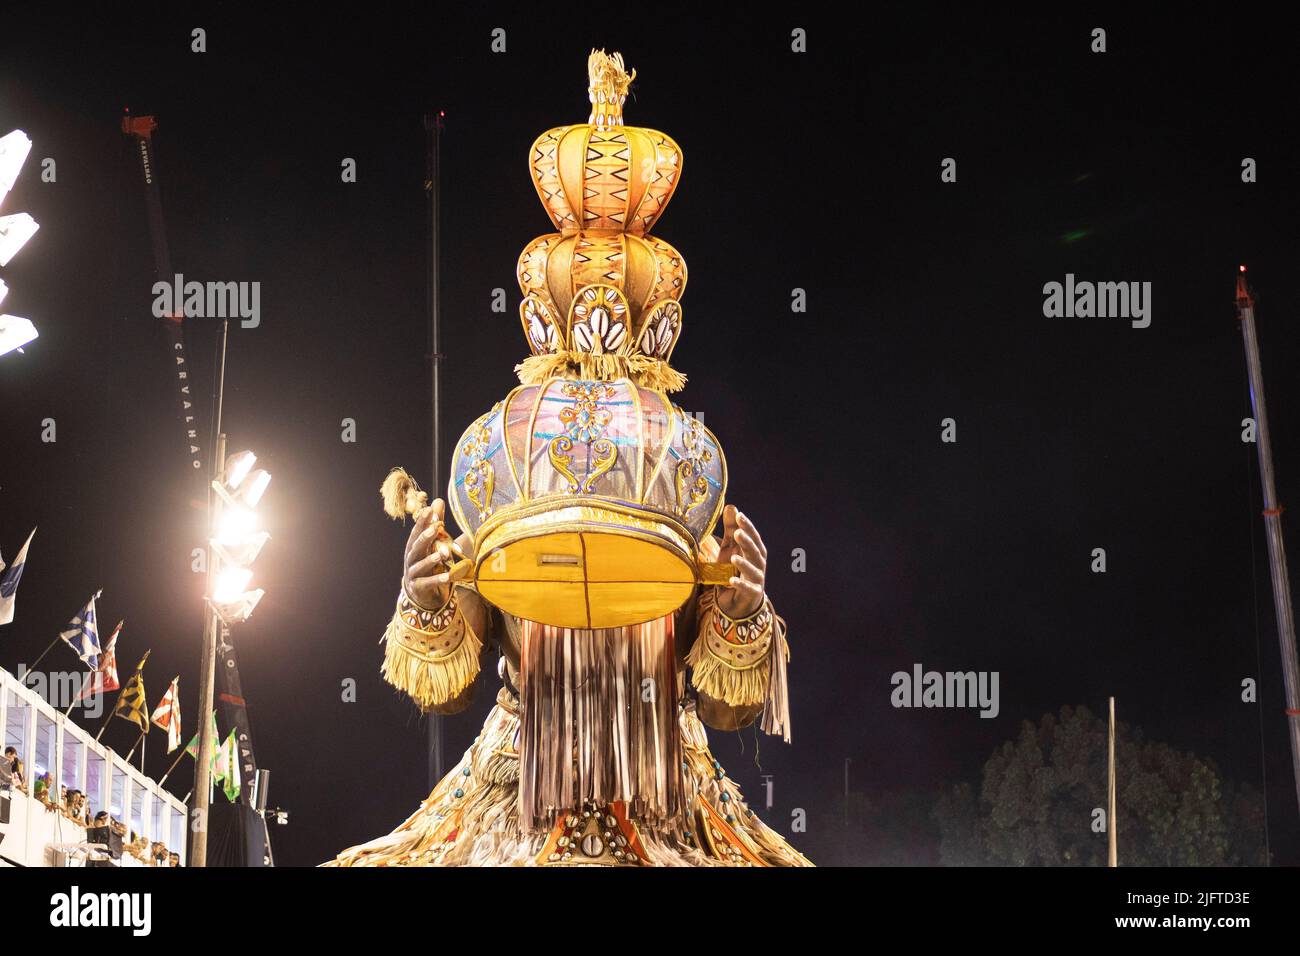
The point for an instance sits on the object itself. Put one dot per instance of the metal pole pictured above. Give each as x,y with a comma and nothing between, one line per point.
432,186
208,661
1112,795
847,760
163,778
1272,525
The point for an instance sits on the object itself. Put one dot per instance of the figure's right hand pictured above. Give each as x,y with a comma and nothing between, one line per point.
426,579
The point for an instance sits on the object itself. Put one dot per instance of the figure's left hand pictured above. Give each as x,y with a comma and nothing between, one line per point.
742,546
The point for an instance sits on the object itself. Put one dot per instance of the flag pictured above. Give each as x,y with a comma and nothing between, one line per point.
9,581
104,678
167,715
227,769
192,748
221,768
131,703
82,634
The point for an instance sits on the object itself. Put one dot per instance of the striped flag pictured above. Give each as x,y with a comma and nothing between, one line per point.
9,581
130,703
104,678
82,634
167,715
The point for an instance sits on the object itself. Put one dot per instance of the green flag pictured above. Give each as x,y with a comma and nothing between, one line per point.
192,748
228,767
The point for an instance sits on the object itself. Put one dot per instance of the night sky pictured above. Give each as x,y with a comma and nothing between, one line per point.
817,171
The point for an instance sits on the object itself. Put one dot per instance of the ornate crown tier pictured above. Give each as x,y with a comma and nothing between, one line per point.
587,501
601,296
605,180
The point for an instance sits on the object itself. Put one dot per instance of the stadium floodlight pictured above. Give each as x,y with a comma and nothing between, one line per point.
243,552
236,541
15,333
251,491
14,148
238,466
235,526
231,583
238,609
15,230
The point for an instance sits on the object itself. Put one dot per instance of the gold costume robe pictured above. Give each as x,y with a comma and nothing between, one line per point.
597,756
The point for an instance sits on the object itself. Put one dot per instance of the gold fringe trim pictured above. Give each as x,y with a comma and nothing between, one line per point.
776,709
716,678
764,682
402,495
642,370
481,827
429,680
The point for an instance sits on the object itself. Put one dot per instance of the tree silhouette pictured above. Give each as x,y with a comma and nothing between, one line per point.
1040,794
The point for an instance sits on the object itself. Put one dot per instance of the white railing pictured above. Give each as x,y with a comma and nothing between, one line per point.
48,742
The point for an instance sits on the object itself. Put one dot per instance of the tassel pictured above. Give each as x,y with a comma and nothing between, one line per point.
776,708
402,495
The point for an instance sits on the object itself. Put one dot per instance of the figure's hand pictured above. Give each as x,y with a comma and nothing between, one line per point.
742,546
426,578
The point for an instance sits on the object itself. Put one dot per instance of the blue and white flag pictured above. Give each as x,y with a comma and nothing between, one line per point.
9,581
82,634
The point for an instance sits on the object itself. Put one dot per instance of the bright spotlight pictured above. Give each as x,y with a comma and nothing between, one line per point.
238,609
236,542
230,585
237,525
243,552
14,148
253,489
238,466
15,333
15,230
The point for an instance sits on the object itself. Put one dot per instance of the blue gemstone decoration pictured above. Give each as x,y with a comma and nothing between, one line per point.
459,792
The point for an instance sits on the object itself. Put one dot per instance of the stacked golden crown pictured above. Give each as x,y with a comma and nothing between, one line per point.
587,503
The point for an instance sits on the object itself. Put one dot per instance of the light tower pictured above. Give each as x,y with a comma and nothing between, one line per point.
15,230
233,545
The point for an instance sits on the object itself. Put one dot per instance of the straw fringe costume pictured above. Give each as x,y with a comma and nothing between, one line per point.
587,498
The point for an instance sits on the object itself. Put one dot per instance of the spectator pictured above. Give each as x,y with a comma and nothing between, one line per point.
15,767
101,833
174,858
76,806
41,789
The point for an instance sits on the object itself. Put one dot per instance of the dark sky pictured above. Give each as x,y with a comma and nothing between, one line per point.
818,171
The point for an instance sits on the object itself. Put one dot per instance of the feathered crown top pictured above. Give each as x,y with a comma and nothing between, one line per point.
601,295
607,86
